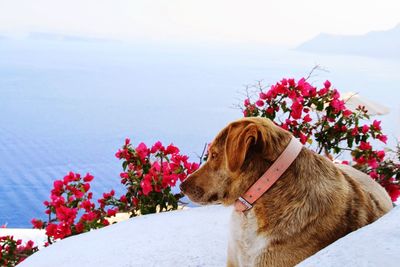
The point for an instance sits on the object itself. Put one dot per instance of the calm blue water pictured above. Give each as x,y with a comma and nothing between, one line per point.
69,105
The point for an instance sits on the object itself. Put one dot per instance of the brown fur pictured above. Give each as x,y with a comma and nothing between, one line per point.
314,203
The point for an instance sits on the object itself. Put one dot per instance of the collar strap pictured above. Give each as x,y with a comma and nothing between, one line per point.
265,182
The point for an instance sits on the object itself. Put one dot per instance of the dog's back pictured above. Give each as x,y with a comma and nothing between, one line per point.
376,192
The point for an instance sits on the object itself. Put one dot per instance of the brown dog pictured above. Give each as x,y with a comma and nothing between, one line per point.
313,203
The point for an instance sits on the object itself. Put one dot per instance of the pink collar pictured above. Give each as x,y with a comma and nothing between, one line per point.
273,173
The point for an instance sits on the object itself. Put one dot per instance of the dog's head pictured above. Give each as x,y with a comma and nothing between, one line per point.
237,157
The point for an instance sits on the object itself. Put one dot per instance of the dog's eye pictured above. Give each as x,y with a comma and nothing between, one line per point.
214,155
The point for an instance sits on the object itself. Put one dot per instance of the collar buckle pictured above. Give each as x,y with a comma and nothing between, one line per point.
245,203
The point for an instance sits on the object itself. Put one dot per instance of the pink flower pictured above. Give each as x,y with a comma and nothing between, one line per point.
108,195
124,175
260,103
263,96
347,113
303,138
327,84
291,82
111,212
376,125
71,177
365,129
142,151
354,132
335,94
157,147
313,92
89,216
118,155
123,199
146,186
280,89
382,138
171,149
86,187
270,110
307,118
292,95
380,154
323,91
29,245
361,160
51,229
372,163
135,201
337,105
37,224
66,214
88,178
297,109
77,193
193,167
127,141
393,190
365,145
58,188
304,87
374,175
87,205
79,227
246,102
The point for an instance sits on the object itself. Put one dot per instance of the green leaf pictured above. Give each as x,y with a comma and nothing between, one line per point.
350,142
124,165
320,106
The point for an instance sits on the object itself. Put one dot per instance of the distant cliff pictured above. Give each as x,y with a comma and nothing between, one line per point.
373,44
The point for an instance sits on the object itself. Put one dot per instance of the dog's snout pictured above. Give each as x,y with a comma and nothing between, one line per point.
183,186
197,191
192,190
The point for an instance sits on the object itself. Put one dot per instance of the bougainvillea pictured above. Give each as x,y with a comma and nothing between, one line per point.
319,117
149,174
14,251
71,209
387,172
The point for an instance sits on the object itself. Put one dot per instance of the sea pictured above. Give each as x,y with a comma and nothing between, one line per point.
68,105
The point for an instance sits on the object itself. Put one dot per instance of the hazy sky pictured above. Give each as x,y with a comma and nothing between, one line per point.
278,22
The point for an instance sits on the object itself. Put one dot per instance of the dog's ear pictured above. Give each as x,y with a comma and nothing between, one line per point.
240,138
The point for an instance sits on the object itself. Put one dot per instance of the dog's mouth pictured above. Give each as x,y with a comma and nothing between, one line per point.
205,203
212,199
198,194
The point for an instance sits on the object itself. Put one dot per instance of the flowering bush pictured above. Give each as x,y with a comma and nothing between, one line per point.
13,251
149,176
319,117
70,198
389,167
